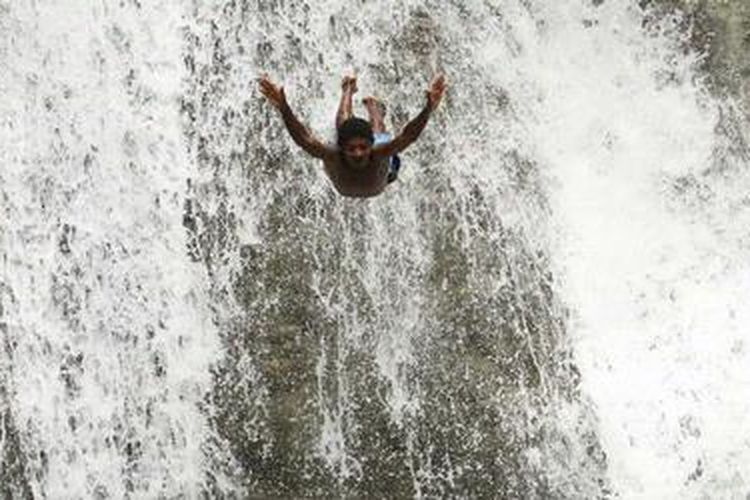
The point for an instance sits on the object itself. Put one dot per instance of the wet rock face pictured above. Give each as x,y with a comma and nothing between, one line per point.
369,351
721,28
13,479
372,350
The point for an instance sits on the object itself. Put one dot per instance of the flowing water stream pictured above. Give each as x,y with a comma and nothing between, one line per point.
547,304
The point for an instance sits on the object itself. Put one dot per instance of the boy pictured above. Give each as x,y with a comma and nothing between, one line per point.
364,160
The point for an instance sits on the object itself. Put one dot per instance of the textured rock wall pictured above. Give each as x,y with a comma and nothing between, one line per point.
290,358
721,28
457,305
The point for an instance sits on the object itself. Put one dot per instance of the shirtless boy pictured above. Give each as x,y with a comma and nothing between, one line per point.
364,160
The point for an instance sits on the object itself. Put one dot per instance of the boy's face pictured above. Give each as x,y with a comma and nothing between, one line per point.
357,152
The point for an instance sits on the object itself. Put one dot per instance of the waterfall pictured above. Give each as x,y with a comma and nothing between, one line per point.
107,330
652,256
546,304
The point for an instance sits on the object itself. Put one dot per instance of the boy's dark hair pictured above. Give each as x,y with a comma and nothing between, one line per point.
354,127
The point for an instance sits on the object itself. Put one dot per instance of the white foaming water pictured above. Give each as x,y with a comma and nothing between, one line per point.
655,271
107,319
391,267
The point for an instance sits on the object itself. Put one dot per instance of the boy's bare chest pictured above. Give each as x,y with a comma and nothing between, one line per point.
365,181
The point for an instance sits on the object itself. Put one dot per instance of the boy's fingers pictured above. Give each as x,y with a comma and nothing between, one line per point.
266,84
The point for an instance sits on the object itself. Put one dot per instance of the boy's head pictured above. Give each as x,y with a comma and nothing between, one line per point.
355,140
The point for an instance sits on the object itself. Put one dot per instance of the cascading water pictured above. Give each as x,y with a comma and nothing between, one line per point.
547,304
106,325
652,202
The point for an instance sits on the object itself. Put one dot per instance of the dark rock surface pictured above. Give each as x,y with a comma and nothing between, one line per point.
721,30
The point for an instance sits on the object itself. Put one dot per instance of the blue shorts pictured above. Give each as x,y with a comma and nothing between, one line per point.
395,163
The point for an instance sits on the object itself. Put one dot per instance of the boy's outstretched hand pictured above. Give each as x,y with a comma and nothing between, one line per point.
349,83
274,93
435,92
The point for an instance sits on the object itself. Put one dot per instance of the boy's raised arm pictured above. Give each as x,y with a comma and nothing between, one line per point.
301,135
411,131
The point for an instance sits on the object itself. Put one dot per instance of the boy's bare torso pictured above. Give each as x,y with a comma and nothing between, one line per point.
366,181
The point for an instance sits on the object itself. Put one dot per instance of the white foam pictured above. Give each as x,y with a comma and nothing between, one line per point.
108,318
655,291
